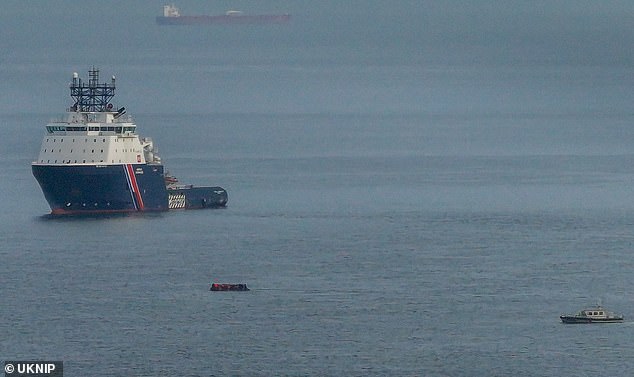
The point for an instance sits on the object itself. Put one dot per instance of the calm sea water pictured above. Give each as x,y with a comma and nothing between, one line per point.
390,219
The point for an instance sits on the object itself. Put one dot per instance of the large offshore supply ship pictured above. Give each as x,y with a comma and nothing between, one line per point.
93,161
172,16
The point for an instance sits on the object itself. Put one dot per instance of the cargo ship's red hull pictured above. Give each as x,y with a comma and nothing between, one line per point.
224,19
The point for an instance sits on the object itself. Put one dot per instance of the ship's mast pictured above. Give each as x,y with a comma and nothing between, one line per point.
93,97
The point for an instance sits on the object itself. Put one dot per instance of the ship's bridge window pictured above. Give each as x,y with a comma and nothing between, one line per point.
52,129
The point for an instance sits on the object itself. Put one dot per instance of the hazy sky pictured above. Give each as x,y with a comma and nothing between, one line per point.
508,31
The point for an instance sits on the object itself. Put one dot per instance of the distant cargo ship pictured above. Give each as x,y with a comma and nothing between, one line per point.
171,16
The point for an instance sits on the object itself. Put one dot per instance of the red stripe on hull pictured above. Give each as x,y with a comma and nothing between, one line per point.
135,187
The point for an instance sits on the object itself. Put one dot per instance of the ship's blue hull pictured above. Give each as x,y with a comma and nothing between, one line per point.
94,189
190,197
76,189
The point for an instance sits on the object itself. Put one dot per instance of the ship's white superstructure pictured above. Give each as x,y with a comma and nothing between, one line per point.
82,140
170,11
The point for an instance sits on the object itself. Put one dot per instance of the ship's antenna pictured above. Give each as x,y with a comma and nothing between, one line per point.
93,97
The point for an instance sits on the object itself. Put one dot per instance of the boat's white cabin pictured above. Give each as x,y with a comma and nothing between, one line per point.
597,312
